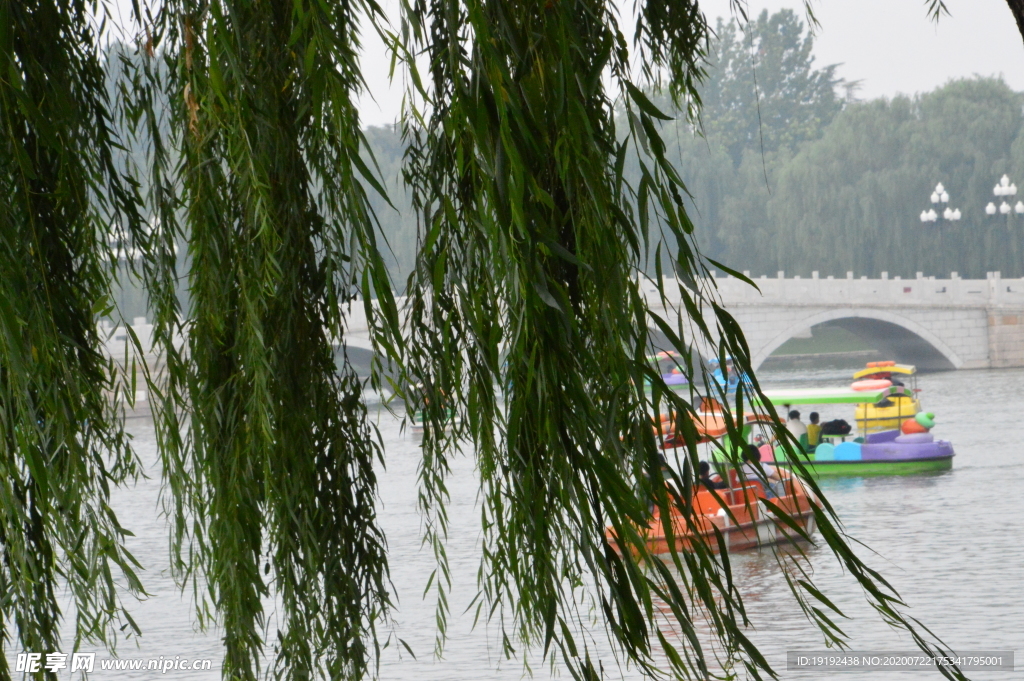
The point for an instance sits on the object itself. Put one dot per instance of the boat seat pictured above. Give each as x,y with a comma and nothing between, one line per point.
737,487
805,443
734,479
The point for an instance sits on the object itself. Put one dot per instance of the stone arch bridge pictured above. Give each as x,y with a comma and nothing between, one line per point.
937,324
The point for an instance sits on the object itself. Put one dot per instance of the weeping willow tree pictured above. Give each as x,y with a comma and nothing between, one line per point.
62,439
272,478
529,329
524,332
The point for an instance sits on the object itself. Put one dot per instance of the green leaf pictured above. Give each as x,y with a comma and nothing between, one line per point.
644,103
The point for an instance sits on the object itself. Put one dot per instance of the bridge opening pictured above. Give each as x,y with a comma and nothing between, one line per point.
852,341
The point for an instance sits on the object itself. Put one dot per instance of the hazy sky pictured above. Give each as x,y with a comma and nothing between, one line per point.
891,46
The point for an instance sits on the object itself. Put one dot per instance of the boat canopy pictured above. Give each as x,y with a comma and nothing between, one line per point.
906,369
832,395
663,355
711,425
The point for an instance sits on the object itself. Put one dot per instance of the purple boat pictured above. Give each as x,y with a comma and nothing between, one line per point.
912,449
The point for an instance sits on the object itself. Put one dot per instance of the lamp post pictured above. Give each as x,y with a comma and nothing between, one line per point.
940,200
1004,189
1010,253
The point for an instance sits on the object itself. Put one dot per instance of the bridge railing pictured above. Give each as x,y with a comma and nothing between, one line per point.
925,291
994,291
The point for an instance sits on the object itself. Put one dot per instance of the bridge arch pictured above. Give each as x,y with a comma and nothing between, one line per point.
357,340
897,336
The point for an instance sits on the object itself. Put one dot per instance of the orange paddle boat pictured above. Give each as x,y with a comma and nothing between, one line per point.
741,514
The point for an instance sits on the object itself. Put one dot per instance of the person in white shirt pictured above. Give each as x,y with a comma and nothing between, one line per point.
795,425
753,469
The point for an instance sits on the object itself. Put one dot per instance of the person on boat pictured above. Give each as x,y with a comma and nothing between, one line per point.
732,380
669,478
752,469
795,425
785,410
813,430
708,481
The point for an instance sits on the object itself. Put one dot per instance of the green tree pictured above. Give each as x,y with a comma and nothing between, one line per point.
760,100
62,439
394,211
762,92
531,239
851,200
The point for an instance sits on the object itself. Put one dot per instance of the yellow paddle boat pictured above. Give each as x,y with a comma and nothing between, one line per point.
892,411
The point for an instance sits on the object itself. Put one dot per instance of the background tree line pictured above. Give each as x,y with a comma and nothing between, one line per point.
803,177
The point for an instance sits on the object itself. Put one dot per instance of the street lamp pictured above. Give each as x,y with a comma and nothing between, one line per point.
1005,188
940,199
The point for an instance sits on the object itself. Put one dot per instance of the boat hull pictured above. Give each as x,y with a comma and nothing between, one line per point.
885,453
417,423
747,524
763,532
888,453
851,469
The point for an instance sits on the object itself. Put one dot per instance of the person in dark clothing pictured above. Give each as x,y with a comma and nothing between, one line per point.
707,481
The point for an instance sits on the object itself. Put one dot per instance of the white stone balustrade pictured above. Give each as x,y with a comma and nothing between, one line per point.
935,323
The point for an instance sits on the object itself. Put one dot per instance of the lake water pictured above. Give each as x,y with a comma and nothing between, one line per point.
951,543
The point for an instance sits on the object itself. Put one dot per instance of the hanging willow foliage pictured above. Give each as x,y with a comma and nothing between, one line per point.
528,326
62,440
266,447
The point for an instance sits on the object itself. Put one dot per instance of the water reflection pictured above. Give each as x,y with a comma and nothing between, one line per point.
830,486
761,577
